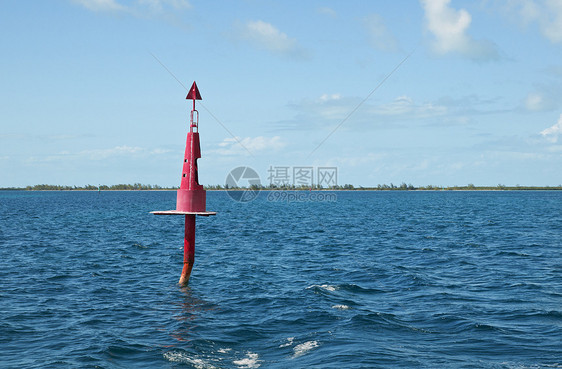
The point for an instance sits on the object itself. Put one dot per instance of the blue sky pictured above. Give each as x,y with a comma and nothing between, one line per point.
477,99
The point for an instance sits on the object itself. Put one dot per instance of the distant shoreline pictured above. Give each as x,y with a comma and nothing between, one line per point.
337,188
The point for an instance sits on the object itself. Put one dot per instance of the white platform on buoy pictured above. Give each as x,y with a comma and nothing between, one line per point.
177,212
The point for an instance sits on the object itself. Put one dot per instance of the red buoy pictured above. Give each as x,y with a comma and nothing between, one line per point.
191,197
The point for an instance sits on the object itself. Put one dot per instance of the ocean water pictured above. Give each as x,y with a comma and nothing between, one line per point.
370,280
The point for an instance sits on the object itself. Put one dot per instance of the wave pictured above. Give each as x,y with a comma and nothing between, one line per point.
341,307
325,287
184,358
251,361
288,343
303,348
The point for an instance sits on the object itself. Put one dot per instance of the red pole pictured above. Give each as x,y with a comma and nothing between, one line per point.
188,248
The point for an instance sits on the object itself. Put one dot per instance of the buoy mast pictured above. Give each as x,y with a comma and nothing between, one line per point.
191,197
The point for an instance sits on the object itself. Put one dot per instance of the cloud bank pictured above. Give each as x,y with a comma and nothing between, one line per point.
552,133
138,7
547,14
449,28
101,5
267,37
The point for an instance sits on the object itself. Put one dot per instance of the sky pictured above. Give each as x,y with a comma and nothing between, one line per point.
429,92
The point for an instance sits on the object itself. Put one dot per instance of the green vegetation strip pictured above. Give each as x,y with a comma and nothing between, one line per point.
272,187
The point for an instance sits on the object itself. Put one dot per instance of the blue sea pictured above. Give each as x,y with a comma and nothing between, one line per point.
355,280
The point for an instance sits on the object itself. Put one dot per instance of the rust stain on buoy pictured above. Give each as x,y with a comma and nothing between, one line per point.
191,197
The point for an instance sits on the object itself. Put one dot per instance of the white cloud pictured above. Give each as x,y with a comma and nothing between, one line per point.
379,35
100,154
552,133
356,161
405,106
552,27
159,5
266,36
101,5
137,8
97,154
330,110
450,26
545,97
327,11
327,107
546,13
529,11
160,151
554,148
534,102
232,146
177,4
328,97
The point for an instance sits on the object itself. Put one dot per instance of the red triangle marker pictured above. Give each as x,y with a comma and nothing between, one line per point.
193,93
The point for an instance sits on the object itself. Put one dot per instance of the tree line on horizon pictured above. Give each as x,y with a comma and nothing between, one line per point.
89,187
285,187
